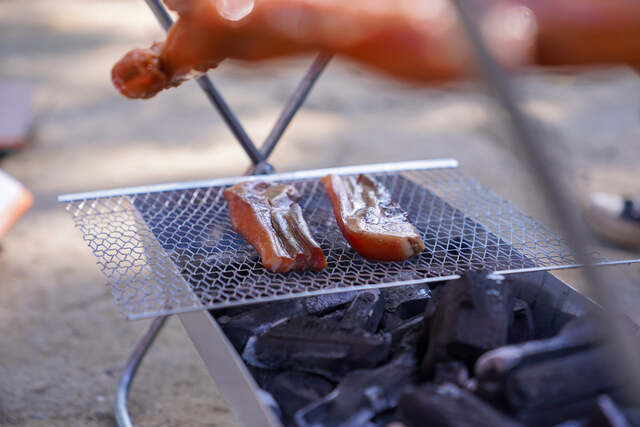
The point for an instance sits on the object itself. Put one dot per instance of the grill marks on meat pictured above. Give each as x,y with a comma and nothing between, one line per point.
374,226
270,219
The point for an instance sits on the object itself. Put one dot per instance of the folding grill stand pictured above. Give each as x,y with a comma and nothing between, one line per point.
496,81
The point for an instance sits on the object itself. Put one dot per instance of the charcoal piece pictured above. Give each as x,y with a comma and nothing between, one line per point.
522,326
448,406
322,304
361,395
607,414
389,321
336,315
453,372
407,300
294,390
317,346
257,320
561,388
407,333
473,316
264,377
385,419
364,312
578,334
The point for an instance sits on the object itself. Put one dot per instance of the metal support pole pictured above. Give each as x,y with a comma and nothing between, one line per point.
213,95
122,394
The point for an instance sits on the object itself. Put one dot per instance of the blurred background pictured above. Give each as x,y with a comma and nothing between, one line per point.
63,343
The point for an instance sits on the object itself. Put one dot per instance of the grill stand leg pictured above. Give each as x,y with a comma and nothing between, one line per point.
122,394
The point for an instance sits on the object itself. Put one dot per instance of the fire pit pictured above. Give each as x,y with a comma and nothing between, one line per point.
526,349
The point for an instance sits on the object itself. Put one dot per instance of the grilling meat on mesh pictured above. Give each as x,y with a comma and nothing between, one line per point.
269,217
374,226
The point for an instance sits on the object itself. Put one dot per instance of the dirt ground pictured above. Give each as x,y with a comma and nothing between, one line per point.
63,342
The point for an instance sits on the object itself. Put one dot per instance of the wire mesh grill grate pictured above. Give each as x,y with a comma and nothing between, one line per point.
172,251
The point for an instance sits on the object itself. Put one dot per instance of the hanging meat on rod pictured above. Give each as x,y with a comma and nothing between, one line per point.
270,219
375,226
417,40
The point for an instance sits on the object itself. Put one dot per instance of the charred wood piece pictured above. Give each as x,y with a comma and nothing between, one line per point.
256,321
453,372
577,335
607,414
448,406
364,312
362,395
559,389
473,317
294,390
317,346
522,326
406,301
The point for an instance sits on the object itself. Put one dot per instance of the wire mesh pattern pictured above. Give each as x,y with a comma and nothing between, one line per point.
173,251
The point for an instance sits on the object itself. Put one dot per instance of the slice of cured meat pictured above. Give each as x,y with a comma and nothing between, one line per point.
376,227
270,219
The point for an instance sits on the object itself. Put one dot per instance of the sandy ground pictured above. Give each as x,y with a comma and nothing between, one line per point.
63,342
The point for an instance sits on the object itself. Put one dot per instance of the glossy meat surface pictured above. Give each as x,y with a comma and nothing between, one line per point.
417,40
270,219
375,226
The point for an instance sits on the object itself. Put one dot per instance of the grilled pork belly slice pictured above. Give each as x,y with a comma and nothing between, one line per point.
375,226
270,219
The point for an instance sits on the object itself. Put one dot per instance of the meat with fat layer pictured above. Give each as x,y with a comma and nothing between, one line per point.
375,226
270,219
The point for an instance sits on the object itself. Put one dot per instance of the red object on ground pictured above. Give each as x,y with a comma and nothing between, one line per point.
15,200
374,226
270,219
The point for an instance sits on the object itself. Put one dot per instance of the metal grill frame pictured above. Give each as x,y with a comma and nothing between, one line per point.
170,249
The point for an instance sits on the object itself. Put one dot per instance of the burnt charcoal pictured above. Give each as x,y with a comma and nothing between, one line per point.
633,416
580,333
264,377
317,346
364,312
247,322
390,320
473,316
385,419
323,304
408,333
361,395
607,414
336,315
448,406
561,388
451,372
522,325
406,301
571,423
294,390
258,319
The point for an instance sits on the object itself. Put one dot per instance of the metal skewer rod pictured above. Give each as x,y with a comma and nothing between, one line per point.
213,94
557,196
